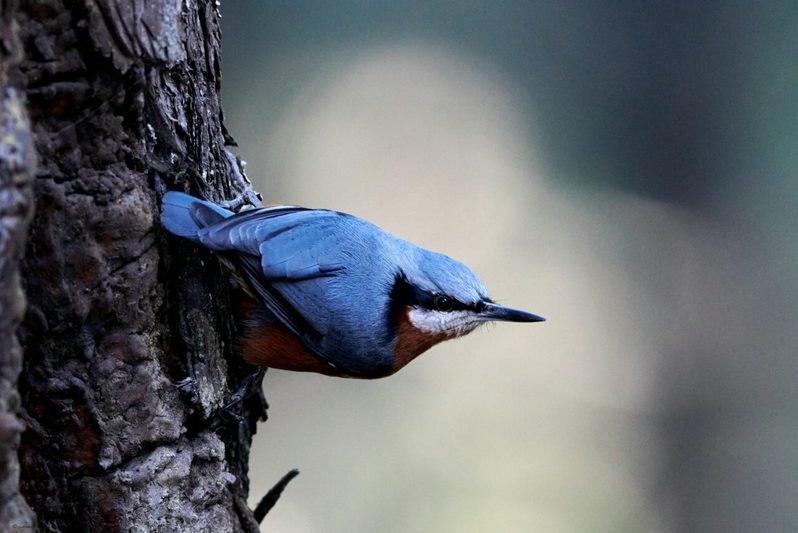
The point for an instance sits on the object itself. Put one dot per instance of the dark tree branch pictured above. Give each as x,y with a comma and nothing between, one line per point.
270,498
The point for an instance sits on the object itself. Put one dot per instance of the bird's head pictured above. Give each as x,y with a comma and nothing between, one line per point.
438,299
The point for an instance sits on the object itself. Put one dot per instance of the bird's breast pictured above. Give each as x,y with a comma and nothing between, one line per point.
411,341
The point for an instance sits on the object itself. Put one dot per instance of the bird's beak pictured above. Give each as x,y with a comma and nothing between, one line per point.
497,312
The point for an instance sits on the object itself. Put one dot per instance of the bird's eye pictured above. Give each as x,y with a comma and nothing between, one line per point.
443,303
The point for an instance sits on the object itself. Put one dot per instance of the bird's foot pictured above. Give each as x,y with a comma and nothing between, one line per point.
248,386
238,177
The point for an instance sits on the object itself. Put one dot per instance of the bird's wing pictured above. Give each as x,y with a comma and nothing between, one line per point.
286,245
293,243
286,313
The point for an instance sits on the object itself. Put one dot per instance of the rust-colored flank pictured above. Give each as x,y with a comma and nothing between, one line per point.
273,346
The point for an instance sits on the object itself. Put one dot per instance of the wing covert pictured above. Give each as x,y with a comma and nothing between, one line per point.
294,243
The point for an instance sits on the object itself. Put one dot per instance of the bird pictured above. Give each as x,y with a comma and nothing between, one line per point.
334,294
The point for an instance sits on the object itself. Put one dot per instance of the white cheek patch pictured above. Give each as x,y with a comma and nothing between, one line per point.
454,323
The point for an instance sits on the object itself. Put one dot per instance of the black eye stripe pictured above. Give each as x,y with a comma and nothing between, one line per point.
404,293
444,303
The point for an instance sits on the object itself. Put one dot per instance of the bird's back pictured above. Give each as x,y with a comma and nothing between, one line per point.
335,270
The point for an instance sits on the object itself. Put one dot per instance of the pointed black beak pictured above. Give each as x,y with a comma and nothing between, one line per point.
497,312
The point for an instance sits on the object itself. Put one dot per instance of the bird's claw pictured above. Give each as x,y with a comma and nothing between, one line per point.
185,384
248,386
248,195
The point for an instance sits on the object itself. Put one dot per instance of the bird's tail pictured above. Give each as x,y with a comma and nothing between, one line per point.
184,215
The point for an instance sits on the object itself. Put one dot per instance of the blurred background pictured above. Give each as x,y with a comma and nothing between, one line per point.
625,169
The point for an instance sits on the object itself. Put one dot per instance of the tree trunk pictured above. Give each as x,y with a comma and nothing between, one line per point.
17,164
128,333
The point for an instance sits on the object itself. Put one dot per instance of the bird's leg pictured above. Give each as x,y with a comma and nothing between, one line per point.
248,386
188,387
247,195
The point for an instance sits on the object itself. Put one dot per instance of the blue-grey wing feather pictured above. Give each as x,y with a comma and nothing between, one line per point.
280,308
293,243
303,252
302,255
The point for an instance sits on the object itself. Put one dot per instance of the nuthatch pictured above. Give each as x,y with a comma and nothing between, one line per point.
336,294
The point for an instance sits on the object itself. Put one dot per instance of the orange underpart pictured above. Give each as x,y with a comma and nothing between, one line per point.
245,304
273,346
411,341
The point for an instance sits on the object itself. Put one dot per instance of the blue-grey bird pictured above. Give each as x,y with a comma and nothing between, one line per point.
335,294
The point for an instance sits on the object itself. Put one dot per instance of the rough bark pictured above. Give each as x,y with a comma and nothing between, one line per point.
128,334
17,164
